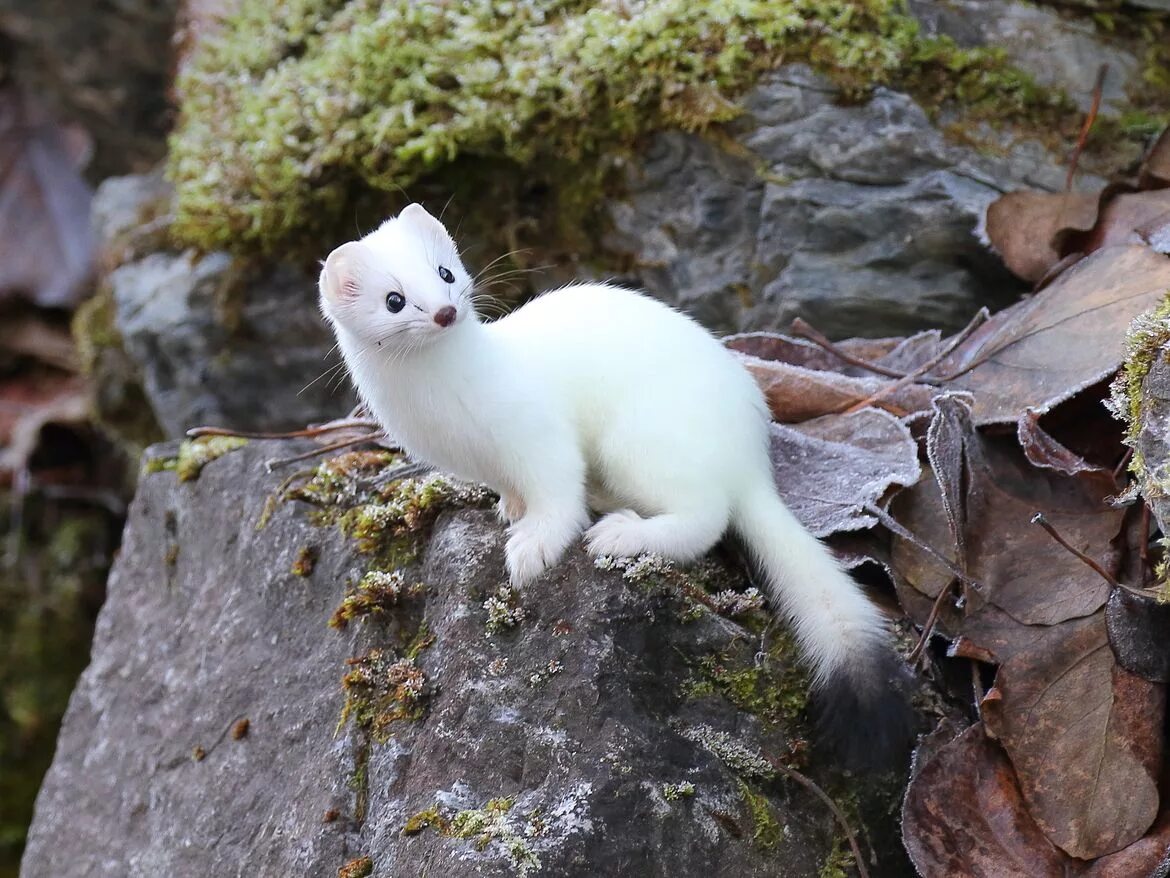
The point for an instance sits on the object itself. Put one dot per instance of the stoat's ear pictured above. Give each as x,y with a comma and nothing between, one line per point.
341,276
417,216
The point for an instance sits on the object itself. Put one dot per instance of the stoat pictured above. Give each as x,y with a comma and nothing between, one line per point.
593,397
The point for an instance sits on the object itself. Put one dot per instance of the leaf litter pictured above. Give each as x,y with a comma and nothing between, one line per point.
965,442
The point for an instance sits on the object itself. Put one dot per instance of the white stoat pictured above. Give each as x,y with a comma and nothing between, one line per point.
592,396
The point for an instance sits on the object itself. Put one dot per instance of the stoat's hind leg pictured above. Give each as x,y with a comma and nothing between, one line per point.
680,536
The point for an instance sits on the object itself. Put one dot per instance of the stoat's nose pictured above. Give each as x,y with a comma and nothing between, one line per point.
445,316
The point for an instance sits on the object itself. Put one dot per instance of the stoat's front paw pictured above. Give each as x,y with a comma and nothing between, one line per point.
510,509
531,549
619,534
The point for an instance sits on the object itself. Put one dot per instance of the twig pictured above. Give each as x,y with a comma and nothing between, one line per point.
804,330
1122,464
911,377
1090,118
931,620
308,432
273,463
1039,519
890,523
1144,545
809,785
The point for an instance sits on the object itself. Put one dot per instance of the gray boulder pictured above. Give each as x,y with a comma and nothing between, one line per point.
605,722
219,342
860,219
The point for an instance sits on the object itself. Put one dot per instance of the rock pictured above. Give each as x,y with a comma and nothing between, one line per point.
593,733
220,344
860,219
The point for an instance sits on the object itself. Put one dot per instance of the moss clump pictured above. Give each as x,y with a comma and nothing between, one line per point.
503,610
289,113
672,792
362,867
766,832
381,690
772,687
194,454
377,593
305,561
1147,341
491,824
425,819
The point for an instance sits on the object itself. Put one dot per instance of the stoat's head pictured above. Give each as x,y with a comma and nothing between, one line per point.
401,285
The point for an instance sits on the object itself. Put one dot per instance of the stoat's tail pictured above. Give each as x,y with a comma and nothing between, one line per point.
857,678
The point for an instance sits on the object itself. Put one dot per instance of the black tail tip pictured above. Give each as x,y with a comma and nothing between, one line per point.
866,720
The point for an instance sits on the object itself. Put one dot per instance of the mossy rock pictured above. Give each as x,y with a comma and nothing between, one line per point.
317,104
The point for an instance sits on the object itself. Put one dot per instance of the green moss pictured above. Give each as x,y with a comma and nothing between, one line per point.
767,833
120,406
376,593
425,819
381,690
194,454
772,687
672,792
305,561
1145,343
291,113
839,862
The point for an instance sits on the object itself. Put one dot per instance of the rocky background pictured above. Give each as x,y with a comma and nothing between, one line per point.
127,315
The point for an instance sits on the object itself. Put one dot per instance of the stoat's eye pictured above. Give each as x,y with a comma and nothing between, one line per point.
395,302
446,275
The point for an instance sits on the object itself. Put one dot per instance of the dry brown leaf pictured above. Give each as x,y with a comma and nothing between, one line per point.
1121,218
1137,623
1023,225
1045,452
46,247
829,469
1066,338
798,352
1142,859
1019,568
1084,736
796,394
964,817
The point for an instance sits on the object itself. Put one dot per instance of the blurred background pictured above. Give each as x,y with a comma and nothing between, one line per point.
83,97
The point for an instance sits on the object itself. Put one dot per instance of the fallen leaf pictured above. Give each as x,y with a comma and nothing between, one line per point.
796,394
1020,568
1022,227
1084,737
963,815
1137,625
1066,338
829,469
1045,452
1148,857
1120,221
46,247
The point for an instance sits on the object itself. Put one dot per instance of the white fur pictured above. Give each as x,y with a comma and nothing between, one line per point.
587,394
